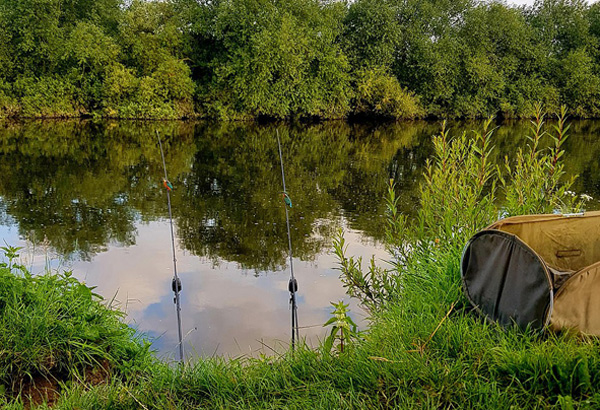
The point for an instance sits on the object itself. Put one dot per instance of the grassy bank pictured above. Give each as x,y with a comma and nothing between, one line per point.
426,348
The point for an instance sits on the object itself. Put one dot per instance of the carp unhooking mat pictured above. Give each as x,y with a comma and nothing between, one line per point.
537,270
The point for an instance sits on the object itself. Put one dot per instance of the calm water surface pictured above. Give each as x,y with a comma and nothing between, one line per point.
87,196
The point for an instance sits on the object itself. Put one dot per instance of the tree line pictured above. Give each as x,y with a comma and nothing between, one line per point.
281,59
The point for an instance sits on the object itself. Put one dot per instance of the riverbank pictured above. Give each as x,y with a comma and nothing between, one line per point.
405,361
402,363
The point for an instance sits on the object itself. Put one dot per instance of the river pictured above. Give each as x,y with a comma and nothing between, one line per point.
87,196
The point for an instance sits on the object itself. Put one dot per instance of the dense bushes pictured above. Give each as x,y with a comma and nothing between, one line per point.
275,59
379,93
92,58
243,59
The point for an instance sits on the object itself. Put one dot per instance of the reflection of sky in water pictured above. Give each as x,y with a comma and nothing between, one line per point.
226,310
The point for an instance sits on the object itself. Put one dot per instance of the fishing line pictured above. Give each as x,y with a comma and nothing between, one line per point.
292,284
176,282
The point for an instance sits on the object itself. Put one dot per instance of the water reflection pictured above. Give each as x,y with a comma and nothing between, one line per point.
82,186
90,194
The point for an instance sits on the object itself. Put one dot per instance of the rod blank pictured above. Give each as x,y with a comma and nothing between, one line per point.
293,283
176,282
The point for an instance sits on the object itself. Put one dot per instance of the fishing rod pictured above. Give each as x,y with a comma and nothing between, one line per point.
176,282
293,283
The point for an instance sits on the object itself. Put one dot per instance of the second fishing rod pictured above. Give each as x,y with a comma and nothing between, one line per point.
293,283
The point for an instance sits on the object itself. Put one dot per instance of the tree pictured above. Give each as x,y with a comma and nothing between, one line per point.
275,59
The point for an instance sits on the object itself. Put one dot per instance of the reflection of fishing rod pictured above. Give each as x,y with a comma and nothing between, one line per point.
176,282
292,284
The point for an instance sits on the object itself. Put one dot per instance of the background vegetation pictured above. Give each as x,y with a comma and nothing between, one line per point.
247,59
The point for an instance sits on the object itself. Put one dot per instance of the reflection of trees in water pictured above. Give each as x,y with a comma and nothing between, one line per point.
332,170
379,153
75,184
83,185
583,158
233,192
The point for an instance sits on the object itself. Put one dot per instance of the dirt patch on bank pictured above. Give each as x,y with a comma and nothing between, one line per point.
47,389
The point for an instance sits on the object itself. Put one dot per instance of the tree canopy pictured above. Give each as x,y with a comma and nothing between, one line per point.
247,59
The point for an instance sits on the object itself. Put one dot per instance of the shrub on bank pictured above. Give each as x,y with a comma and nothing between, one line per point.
48,97
378,93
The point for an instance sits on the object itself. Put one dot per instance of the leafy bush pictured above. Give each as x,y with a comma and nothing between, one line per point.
535,184
379,93
9,106
167,93
47,97
275,59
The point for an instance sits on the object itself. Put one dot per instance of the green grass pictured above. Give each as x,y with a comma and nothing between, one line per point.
54,328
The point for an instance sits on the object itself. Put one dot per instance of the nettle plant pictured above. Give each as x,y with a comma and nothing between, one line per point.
11,256
459,196
343,329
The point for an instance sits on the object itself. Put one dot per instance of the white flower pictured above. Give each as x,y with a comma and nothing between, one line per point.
585,197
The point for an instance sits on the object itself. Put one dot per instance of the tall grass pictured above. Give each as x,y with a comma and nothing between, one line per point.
54,328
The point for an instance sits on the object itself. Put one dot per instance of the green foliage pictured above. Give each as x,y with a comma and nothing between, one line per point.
245,59
64,63
90,48
11,254
535,184
459,192
9,106
580,83
379,94
149,35
371,33
167,93
279,59
47,97
372,288
561,25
